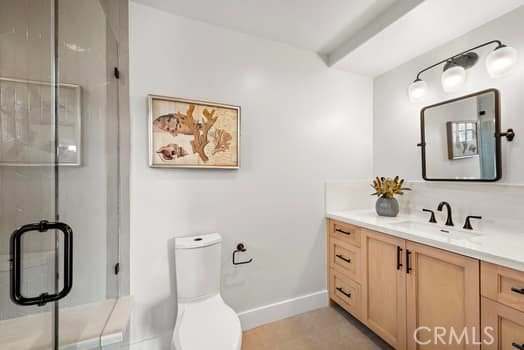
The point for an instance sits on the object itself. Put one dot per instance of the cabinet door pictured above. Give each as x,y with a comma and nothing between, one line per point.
384,287
345,292
503,285
506,327
344,232
345,258
443,296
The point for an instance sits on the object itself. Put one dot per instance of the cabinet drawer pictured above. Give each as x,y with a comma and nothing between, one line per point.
507,326
503,285
345,232
345,292
344,258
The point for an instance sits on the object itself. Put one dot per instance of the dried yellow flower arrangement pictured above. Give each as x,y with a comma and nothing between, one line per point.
387,187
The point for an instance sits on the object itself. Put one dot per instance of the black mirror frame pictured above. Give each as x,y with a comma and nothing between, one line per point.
498,135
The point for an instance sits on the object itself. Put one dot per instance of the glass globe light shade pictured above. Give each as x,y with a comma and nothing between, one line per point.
500,61
417,90
453,78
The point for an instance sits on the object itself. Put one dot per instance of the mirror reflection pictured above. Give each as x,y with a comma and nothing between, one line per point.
459,141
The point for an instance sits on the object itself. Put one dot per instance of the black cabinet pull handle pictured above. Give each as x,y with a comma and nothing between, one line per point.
15,277
518,290
518,346
343,258
408,267
343,292
399,258
342,231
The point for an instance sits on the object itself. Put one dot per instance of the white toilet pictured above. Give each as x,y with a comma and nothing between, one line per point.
204,321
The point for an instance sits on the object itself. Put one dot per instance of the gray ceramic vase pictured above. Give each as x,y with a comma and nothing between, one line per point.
387,207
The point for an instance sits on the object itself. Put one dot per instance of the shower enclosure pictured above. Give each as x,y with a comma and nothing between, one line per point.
59,172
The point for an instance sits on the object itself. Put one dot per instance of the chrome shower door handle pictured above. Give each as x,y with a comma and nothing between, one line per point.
16,263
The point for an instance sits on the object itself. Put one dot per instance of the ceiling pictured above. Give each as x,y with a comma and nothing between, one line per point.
318,25
427,26
368,37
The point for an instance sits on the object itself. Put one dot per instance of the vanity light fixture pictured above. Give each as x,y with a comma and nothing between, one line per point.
498,63
417,89
453,78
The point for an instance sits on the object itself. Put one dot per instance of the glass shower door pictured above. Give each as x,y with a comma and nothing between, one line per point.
59,172
88,137
28,177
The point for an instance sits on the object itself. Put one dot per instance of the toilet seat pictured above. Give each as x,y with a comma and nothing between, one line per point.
207,324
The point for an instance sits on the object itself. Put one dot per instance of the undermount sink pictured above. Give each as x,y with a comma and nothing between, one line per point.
434,230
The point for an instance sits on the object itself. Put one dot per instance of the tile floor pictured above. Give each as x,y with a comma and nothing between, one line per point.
329,328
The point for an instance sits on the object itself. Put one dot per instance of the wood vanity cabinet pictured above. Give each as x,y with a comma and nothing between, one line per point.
443,289
344,267
404,285
503,306
503,285
384,287
507,325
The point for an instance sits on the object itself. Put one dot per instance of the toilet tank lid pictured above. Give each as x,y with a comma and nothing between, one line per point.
197,241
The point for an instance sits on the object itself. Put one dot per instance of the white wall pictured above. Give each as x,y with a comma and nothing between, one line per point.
396,119
302,124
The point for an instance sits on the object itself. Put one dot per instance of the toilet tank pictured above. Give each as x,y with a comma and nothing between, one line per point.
197,260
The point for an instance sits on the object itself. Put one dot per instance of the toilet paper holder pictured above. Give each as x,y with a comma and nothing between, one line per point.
240,249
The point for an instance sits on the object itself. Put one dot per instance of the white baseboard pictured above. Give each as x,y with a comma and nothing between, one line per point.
283,309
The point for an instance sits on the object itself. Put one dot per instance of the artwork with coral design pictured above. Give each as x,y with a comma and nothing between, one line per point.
193,134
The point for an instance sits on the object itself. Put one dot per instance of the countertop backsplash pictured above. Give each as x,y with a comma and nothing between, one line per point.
500,205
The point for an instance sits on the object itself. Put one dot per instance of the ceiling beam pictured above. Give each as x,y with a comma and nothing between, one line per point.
389,16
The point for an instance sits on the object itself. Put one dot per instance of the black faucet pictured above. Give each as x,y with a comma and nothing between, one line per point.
432,218
467,224
449,220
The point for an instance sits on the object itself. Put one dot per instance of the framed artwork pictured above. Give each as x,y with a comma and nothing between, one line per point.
193,134
462,139
27,123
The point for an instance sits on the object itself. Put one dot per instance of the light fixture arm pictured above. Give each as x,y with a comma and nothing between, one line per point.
498,42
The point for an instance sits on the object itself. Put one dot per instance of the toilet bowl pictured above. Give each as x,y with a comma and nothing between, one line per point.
204,320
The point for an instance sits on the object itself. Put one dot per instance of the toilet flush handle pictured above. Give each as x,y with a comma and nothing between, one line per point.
240,248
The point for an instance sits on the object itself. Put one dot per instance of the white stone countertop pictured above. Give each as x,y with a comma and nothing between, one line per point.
502,247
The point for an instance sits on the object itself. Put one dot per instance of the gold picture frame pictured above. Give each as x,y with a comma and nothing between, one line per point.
185,133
